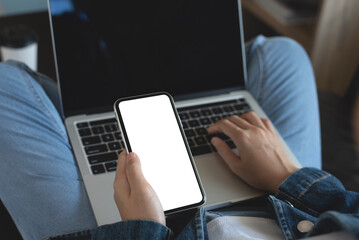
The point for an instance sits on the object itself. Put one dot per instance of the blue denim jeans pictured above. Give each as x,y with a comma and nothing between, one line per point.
40,183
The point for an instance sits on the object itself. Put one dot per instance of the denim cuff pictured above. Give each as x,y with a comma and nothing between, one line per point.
304,189
133,229
300,182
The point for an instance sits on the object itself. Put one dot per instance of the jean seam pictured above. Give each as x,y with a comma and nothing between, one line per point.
288,233
311,184
282,220
260,54
38,98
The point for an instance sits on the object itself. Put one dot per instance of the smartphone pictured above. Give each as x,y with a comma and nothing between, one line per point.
151,128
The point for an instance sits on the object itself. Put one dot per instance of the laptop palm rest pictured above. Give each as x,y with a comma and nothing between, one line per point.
220,184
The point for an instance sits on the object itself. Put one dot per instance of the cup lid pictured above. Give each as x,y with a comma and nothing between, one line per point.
17,36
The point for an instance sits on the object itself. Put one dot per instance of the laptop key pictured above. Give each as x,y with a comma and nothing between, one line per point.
200,150
111,166
96,149
98,130
205,121
193,123
194,114
82,124
91,140
102,122
220,135
96,169
118,135
201,131
206,106
190,142
107,137
228,109
247,108
240,106
111,128
100,158
200,140
190,133
215,119
206,112
183,116
114,145
85,132
217,110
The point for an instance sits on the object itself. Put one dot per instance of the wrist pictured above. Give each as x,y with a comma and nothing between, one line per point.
283,177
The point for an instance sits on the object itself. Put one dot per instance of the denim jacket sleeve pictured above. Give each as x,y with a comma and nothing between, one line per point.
142,229
315,195
135,229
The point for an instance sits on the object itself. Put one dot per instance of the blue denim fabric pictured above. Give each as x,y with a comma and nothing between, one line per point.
317,196
139,229
136,229
308,194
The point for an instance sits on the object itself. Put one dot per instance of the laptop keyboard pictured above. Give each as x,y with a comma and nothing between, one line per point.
102,140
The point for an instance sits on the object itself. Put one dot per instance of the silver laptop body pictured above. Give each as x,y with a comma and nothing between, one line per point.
221,186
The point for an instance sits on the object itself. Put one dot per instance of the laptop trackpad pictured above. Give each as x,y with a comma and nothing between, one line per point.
221,186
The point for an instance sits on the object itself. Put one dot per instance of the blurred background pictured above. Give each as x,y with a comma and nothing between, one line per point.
328,31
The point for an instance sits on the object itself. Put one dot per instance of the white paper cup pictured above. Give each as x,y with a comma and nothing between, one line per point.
19,43
27,55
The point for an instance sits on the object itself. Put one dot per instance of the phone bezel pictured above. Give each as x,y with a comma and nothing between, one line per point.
179,123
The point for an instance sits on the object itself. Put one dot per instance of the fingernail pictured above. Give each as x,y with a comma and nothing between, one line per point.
214,141
131,155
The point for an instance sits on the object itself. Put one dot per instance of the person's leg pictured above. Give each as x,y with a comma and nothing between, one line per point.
281,78
40,184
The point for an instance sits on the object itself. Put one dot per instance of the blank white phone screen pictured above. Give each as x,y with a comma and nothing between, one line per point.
155,136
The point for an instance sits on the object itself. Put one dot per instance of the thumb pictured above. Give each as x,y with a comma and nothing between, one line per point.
133,171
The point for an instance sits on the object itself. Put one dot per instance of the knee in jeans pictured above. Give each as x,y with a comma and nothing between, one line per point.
7,73
289,48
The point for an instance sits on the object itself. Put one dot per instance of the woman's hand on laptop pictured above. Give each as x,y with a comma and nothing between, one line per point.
263,163
134,196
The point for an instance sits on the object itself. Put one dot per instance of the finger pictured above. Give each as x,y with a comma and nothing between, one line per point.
134,172
121,164
231,159
121,181
268,124
253,119
227,127
240,122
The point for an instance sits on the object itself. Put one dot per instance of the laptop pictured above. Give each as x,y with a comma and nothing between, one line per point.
192,49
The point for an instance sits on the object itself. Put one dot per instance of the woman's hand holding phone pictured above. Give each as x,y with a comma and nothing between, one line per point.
134,196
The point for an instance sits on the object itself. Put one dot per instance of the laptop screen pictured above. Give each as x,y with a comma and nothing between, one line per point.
106,49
